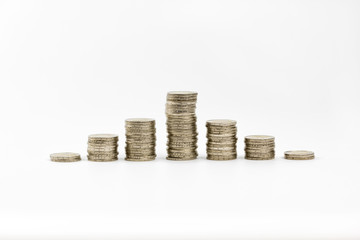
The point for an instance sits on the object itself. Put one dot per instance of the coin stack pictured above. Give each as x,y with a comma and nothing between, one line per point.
140,139
299,155
103,147
181,125
259,147
221,143
65,157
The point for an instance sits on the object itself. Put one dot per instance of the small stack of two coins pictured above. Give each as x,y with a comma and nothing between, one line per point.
65,157
259,147
181,125
221,135
299,155
103,147
140,139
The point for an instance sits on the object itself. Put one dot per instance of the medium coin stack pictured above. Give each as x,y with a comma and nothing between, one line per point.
140,139
299,155
259,147
221,143
181,125
102,147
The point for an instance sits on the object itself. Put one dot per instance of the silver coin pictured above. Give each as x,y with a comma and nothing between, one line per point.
140,120
220,122
181,158
259,138
221,158
94,159
260,145
259,158
102,148
65,157
103,136
140,159
299,155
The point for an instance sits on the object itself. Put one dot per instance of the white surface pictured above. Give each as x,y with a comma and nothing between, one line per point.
285,68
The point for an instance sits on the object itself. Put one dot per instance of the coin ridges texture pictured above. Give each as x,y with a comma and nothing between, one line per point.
103,147
221,139
259,147
140,139
299,155
181,125
65,157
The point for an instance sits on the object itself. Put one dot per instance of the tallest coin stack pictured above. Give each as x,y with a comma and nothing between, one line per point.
181,125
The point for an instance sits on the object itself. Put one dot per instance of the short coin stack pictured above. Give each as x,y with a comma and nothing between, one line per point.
102,147
221,143
140,139
299,155
181,125
65,157
259,147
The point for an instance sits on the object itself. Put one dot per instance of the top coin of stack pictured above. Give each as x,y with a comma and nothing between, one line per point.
259,147
65,157
103,147
140,139
181,125
221,144
299,155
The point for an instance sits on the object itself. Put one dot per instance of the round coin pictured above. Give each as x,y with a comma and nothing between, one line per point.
104,136
299,155
65,157
259,138
221,122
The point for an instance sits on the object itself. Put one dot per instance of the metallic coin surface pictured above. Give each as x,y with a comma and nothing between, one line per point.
140,159
103,136
101,159
140,139
221,157
182,158
299,155
259,147
180,109
221,139
259,137
140,120
220,122
102,147
259,158
65,157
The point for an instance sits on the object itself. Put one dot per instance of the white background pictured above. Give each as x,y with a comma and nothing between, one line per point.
286,68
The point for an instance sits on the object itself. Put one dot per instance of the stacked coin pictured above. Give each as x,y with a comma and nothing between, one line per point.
65,157
221,143
140,139
103,147
181,125
259,147
299,155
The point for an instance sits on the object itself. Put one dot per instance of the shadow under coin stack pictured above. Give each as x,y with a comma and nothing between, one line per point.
140,139
259,147
221,143
102,147
181,125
